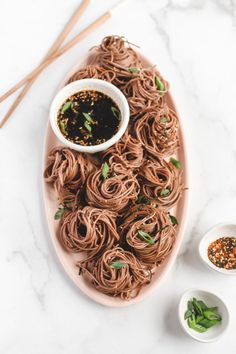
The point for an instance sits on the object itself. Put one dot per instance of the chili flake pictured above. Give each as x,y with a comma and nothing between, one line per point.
222,252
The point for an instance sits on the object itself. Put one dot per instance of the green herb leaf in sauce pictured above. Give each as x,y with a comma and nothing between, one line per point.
173,220
59,213
142,199
88,126
118,265
62,127
159,85
175,162
115,112
88,117
105,170
66,106
134,70
163,119
164,192
148,238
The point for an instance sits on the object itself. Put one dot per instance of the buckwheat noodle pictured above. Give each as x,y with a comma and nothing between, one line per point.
113,193
93,72
89,230
157,130
157,224
161,182
128,151
125,282
67,170
119,223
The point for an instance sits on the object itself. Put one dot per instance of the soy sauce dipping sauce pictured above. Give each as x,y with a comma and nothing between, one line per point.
89,118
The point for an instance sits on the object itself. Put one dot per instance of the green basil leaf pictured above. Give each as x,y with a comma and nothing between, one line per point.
175,162
66,106
105,170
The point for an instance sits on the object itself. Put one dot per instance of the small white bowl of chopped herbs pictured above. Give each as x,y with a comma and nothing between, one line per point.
203,315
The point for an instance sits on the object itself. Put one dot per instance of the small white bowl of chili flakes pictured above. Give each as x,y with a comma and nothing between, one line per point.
217,248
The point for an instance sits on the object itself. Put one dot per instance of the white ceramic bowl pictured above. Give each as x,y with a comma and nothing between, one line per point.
211,300
90,84
220,230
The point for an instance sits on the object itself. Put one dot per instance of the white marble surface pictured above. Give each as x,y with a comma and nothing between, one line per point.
193,43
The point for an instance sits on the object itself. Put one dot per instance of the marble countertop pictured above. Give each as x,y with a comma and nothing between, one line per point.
193,43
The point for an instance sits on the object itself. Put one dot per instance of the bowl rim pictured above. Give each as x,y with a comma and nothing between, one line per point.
205,260
182,321
77,86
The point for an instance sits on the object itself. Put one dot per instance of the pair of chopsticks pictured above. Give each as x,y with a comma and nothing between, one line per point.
55,51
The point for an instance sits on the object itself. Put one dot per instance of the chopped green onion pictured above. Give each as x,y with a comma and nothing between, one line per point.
142,199
200,317
66,106
148,238
118,265
105,170
159,85
88,126
173,220
175,162
134,70
163,119
88,118
62,127
115,112
165,192
59,213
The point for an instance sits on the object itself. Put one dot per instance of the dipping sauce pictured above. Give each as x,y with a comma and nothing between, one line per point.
222,252
89,118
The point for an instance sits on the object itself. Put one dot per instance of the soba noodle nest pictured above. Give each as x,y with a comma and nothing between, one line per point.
120,222
89,230
93,71
154,222
113,193
161,182
128,151
157,130
68,171
125,282
115,52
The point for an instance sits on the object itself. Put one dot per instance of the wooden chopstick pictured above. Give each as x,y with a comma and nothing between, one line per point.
60,39
34,73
